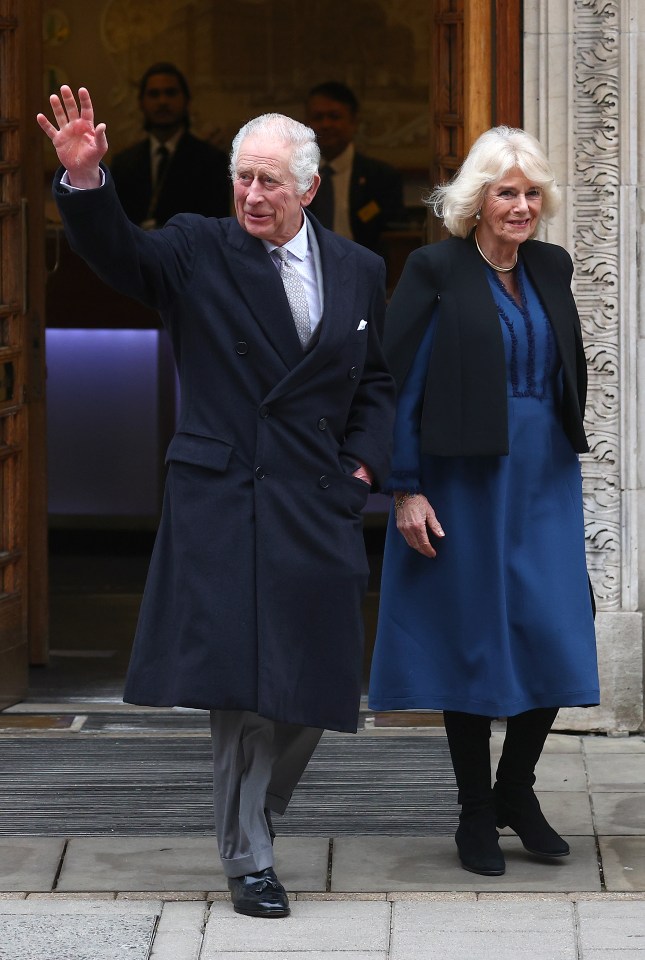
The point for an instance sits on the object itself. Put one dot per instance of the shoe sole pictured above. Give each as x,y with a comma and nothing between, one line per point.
484,873
271,915
546,856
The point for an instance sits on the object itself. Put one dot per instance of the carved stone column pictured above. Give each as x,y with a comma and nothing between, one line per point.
582,59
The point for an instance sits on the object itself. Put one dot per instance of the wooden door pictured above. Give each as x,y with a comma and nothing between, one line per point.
23,569
476,76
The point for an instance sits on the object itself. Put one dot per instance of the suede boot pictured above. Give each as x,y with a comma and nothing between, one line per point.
516,805
477,838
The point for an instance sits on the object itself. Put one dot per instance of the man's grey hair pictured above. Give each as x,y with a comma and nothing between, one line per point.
305,155
492,156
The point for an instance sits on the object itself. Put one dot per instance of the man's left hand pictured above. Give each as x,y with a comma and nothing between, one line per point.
364,473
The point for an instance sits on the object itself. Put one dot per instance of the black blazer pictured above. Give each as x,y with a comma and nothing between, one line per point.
196,181
465,409
375,200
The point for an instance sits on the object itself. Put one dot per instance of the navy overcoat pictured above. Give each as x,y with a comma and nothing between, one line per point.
255,584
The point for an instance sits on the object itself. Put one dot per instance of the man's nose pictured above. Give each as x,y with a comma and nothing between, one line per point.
254,193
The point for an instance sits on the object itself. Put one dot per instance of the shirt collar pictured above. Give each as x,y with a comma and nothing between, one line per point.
343,162
297,246
170,145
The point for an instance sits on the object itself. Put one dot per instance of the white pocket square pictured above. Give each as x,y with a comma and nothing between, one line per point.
362,325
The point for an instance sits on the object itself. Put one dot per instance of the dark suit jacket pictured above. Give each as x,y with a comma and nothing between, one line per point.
196,181
375,200
464,408
255,585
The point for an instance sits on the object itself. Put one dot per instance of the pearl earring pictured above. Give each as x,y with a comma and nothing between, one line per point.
478,215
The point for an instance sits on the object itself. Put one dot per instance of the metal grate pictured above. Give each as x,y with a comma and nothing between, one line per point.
71,785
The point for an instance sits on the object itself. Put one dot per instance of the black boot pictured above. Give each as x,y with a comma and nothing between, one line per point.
476,838
515,801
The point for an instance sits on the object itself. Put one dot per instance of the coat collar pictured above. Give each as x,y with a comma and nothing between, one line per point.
260,285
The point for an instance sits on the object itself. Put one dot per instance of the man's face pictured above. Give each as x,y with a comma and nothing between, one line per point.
164,104
264,192
333,123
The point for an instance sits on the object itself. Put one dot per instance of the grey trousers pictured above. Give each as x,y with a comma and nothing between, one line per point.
257,763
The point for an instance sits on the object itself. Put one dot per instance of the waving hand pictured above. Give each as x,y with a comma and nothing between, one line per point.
79,144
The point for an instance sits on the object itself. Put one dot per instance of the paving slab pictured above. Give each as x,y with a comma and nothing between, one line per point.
623,863
555,742
179,863
360,926
616,773
632,744
302,955
73,930
614,954
620,814
431,863
180,931
569,812
29,863
612,926
487,930
556,771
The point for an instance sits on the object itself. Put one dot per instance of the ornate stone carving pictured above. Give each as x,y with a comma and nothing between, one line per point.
595,209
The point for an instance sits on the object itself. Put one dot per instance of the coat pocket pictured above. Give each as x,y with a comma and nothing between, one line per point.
207,452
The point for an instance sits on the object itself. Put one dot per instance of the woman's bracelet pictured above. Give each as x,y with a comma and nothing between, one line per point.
401,498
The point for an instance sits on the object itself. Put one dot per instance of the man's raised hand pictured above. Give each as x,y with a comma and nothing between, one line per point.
79,144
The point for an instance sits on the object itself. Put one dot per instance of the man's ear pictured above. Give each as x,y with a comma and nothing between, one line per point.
309,194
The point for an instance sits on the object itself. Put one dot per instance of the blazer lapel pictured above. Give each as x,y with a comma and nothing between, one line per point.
554,293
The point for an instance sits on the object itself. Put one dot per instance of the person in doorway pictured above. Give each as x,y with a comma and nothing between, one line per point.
252,605
171,171
359,197
492,619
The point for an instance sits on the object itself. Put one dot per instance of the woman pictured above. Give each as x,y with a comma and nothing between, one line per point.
494,618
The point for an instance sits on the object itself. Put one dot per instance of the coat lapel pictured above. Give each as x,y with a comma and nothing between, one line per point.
339,293
260,285
555,296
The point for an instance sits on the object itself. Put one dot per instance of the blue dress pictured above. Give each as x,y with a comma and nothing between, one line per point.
500,621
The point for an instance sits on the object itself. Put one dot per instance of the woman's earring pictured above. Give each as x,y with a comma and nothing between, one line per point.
478,215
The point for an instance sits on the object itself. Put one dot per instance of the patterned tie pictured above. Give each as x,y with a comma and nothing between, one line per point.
323,202
295,291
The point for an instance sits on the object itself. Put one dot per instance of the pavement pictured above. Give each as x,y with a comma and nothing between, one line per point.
353,897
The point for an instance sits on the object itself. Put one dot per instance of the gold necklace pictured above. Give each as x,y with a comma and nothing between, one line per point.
494,265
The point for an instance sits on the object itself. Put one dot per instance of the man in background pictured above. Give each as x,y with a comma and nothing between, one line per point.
171,171
359,197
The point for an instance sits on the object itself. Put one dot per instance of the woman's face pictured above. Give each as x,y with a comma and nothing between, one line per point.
510,211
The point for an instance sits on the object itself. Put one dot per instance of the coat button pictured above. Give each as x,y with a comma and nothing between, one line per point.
322,423
323,482
259,473
353,373
241,347
264,411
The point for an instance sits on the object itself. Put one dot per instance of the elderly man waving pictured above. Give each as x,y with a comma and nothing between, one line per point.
252,604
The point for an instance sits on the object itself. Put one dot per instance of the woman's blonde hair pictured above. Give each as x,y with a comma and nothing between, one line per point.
490,158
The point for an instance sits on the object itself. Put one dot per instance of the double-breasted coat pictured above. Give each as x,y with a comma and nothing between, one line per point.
253,595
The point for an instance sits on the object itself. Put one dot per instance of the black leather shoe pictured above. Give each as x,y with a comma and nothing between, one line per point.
519,809
259,895
478,844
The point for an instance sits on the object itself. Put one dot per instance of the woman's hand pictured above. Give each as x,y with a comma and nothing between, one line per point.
79,144
414,519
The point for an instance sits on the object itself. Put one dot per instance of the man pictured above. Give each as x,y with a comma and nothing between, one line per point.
252,605
171,171
359,196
